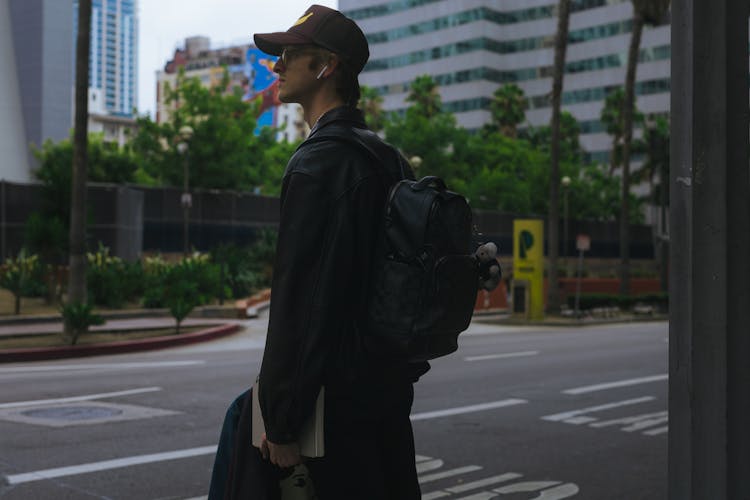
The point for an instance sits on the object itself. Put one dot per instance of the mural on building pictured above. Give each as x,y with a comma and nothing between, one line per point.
261,84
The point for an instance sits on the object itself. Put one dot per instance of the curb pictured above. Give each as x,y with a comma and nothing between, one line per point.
121,347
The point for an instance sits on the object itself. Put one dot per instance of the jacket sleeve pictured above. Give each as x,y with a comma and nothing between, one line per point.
293,362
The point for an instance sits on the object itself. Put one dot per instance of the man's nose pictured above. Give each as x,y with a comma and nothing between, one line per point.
278,66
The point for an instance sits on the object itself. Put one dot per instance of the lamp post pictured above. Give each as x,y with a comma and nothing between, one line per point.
415,162
565,181
186,200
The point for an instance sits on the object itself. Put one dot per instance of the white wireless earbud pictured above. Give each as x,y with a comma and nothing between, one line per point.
322,71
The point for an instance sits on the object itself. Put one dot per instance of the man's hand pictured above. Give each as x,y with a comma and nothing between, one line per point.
283,455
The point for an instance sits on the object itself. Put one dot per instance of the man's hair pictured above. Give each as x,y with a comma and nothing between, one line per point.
347,81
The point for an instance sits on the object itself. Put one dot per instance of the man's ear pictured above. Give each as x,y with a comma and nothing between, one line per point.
330,67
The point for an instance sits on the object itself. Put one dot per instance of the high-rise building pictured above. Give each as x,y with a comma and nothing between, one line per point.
113,60
36,86
472,47
249,69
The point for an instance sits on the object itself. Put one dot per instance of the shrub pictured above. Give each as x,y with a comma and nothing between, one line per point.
592,300
78,317
110,280
23,276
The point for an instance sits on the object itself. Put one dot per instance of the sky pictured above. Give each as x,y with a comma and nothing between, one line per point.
164,25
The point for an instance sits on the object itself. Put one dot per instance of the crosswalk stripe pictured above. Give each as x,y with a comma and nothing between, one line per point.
448,473
592,409
481,483
428,466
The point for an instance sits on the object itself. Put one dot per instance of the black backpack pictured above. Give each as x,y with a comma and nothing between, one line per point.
426,278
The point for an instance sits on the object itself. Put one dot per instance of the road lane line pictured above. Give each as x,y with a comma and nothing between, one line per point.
565,416
619,383
467,409
74,399
558,492
74,470
420,458
448,473
98,366
501,355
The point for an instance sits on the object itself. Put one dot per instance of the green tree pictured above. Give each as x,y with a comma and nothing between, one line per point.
46,230
371,104
427,132
508,109
570,133
612,117
224,152
424,96
644,12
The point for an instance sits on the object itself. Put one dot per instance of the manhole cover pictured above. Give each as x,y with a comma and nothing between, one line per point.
73,412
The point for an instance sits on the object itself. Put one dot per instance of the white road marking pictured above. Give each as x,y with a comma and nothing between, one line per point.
619,383
484,495
467,409
558,492
656,432
448,473
74,399
107,465
566,416
429,465
501,355
420,458
650,419
109,366
526,486
481,483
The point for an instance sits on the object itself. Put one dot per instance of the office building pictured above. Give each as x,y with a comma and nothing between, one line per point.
472,47
113,61
249,69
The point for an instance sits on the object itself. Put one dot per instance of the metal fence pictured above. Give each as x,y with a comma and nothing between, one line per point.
131,220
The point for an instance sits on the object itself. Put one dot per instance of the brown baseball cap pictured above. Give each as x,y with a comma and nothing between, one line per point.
322,26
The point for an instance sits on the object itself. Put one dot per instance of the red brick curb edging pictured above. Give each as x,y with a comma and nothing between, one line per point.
74,351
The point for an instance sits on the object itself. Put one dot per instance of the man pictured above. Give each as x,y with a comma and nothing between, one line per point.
332,203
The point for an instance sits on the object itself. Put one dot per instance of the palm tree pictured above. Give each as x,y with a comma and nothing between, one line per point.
650,12
553,223
425,96
77,277
508,109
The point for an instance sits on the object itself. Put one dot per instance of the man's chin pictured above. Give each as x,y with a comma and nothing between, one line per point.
286,99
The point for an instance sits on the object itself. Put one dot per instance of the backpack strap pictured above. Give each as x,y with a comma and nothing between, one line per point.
368,141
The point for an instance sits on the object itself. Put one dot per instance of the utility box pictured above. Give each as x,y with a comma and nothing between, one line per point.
520,296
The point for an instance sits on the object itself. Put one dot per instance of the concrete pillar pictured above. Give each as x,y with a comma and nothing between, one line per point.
13,141
709,351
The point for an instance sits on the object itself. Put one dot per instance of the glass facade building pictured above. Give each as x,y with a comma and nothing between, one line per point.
113,74
471,47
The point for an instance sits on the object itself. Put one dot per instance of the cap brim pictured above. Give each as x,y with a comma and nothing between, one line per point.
274,43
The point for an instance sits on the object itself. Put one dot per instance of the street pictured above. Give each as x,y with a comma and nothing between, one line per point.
517,413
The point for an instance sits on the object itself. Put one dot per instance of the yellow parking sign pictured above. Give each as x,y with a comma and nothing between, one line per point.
528,268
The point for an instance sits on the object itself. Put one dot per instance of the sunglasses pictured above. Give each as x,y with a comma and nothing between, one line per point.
289,54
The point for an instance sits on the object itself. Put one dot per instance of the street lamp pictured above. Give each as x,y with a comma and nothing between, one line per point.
415,162
565,181
186,200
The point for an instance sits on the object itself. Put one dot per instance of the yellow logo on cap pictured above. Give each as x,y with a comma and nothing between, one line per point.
303,19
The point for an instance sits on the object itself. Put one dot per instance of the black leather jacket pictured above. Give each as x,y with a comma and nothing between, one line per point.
332,202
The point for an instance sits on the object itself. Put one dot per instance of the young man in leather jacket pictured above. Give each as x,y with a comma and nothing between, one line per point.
332,203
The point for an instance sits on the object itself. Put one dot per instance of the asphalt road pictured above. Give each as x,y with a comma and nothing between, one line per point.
516,413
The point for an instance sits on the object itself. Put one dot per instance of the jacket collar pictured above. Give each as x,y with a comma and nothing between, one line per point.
341,114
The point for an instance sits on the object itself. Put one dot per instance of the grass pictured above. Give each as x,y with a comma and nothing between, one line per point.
57,339
29,305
